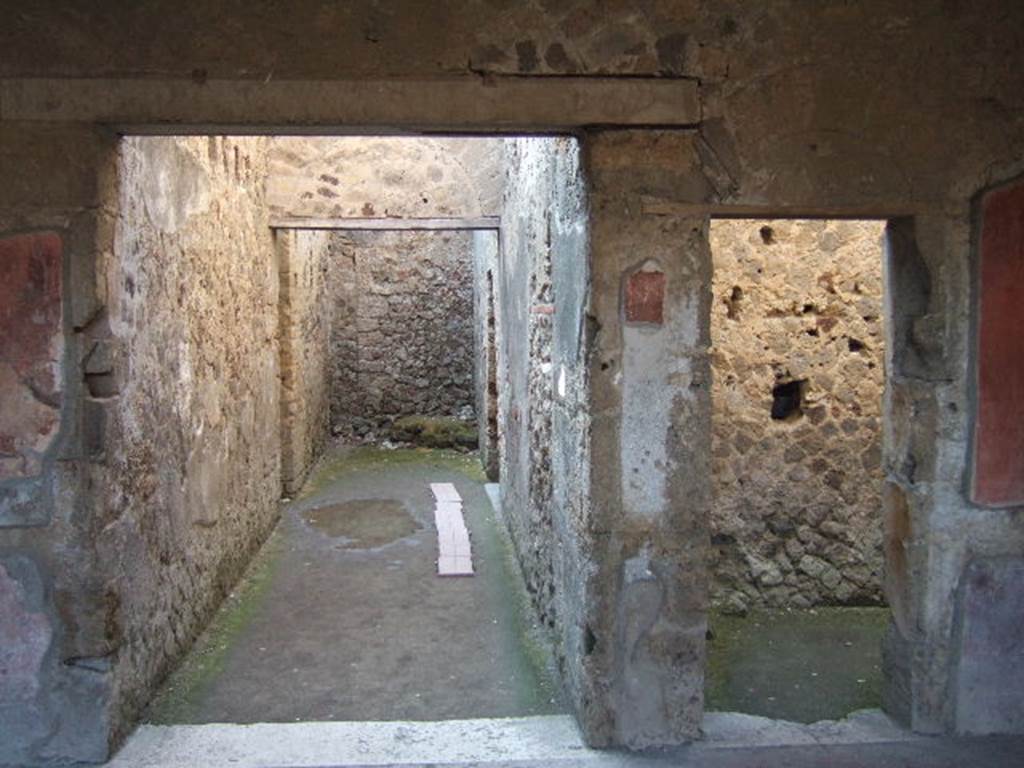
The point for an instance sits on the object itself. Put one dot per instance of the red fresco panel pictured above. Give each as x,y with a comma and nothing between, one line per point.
999,424
645,297
31,349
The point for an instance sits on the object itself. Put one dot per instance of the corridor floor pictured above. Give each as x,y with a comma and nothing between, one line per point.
797,665
341,616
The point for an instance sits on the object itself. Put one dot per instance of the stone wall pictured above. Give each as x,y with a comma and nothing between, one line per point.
402,334
797,310
306,365
193,443
651,436
384,177
544,393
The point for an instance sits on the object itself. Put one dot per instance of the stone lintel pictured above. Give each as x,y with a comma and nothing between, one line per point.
527,104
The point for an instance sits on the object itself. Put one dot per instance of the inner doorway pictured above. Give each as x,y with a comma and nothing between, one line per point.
246,269
799,361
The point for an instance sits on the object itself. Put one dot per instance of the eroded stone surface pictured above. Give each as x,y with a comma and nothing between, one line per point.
306,364
829,108
544,428
193,437
31,347
384,177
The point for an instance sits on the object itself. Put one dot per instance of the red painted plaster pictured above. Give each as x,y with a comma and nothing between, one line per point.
999,424
31,346
645,297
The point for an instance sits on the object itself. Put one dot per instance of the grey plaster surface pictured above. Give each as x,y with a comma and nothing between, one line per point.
990,669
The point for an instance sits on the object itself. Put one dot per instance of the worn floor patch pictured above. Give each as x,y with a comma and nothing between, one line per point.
363,523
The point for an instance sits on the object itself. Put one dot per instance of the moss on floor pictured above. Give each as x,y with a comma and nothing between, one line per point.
434,432
186,685
799,665
339,461
536,675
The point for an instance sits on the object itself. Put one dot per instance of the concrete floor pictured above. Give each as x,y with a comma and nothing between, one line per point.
341,615
797,665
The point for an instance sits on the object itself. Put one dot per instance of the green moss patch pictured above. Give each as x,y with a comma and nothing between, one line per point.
179,699
435,432
799,665
341,461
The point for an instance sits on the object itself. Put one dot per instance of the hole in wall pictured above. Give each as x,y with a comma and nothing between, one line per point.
787,400
732,303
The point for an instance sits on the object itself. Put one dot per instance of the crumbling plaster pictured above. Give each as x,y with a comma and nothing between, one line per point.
542,294
486,335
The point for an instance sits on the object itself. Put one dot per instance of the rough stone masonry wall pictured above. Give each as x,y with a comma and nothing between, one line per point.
193,442
797,515
305,328
543,393
402,334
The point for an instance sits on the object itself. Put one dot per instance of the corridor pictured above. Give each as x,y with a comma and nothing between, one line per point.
342,616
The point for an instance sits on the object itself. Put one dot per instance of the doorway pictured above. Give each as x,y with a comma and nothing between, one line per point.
799,368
